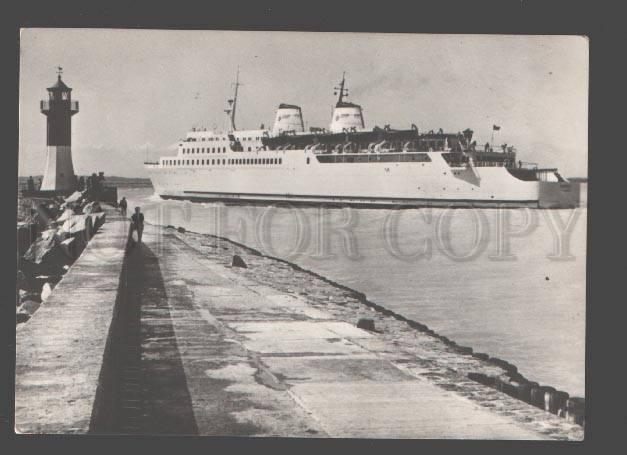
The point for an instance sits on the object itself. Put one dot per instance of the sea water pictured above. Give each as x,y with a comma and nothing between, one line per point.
507,282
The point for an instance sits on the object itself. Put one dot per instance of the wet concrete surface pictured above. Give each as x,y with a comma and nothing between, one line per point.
256,361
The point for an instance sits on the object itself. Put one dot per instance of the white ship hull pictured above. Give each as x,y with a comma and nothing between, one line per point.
349,165
301,179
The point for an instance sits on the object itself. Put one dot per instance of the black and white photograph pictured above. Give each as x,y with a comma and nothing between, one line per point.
301,234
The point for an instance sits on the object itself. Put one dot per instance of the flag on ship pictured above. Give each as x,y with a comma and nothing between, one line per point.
496,127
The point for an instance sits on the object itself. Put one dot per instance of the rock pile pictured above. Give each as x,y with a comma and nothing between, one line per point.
49,241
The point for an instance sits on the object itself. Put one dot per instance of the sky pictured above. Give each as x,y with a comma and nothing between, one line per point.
140,91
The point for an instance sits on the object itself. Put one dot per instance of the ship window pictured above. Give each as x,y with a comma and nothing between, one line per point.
280,160
188,162
203,161
223,160
249,149
223,149
307,160
213,161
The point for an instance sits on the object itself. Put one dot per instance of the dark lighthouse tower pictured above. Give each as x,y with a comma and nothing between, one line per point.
59,108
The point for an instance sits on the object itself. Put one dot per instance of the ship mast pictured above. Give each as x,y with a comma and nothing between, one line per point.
341,90
232,103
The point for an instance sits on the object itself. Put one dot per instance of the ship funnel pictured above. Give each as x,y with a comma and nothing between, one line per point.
347,116
288,118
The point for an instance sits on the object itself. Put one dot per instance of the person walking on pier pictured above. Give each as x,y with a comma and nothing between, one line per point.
137,224
123,205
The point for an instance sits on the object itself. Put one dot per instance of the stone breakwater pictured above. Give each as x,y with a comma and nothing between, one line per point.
51,235
488,381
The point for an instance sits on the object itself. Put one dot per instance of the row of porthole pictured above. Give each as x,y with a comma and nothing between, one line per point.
232,161
202,150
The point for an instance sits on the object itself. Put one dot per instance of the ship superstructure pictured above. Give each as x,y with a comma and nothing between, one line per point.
351,165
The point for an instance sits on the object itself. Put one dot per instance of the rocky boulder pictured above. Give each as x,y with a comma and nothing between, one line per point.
73,198
66,215
44,257
79,226
29,307
69,247
42,248
366,324
26,235
92,207
238,262
46,291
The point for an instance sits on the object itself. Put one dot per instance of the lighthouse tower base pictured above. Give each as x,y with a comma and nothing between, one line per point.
59,172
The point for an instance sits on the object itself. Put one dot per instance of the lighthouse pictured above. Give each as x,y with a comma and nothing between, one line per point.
59,109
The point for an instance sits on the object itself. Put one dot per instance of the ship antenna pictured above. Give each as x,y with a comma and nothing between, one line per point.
232,103
341,90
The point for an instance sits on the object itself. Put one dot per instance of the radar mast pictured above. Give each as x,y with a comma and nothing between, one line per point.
341,90
232,103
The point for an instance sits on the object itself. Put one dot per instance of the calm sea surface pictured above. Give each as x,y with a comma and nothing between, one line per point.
511,283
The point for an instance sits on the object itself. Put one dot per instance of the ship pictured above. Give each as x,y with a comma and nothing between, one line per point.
351,165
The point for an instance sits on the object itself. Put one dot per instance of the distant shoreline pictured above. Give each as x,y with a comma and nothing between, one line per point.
109,180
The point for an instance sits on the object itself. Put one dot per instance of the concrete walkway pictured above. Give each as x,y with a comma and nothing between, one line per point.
60,350
219,354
